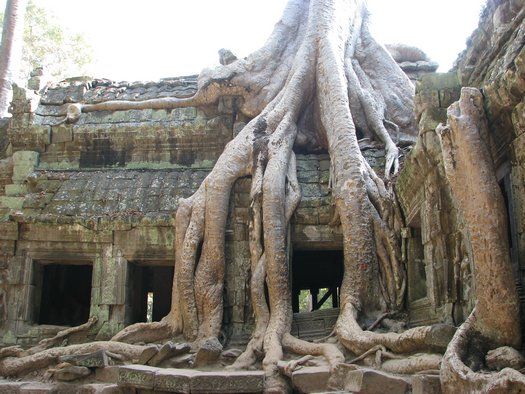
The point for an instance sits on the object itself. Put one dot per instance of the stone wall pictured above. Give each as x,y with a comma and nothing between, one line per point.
433,242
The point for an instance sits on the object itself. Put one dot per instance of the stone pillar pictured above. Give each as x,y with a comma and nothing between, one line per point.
24,163
238,315
19,305
109,291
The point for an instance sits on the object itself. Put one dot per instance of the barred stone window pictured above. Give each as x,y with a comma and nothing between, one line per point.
316,279
149,291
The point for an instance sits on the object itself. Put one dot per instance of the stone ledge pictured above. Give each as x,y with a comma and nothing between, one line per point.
189,380
8,231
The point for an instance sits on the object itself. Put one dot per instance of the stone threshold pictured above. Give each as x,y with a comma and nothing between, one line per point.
190,380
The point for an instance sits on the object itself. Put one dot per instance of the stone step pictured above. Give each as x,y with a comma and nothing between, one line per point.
311,379
11,387
426,384
351,378
190,380
354,379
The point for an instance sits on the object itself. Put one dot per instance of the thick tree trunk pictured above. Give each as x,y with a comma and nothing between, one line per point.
495,321
11,49
471,174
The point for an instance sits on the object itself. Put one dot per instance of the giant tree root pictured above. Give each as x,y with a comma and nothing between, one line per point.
62,336
457,377
146,332
18,366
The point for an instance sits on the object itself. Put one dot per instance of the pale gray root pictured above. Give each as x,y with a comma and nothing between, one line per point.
274,236
200,278
329,351
63,335
254,349
472,178
145,332
12,351
373,112
288,367
353,204
412,340
458,378
386,219
396,363
11,366
413,364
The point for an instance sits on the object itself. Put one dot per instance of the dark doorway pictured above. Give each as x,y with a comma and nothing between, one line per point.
65,298
149,292
417,277
316,279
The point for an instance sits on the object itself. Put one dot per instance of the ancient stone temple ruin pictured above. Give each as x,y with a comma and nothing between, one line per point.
88,238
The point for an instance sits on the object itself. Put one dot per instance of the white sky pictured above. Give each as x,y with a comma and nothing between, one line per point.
148,40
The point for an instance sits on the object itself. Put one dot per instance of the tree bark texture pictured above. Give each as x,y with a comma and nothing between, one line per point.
11,49
472,177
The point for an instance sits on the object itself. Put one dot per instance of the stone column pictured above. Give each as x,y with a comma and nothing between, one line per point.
109,291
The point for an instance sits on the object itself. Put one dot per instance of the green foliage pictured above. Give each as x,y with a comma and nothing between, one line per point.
305,301
47,44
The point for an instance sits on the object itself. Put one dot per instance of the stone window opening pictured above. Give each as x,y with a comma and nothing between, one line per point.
62,293
148,295
316,279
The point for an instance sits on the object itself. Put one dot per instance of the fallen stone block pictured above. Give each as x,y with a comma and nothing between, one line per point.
7,387
208,352
504,357
311,379
167,351
108,374
98,359
426,384
227,382
148,354
184,361
69,374
360,380
37,388
99,388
